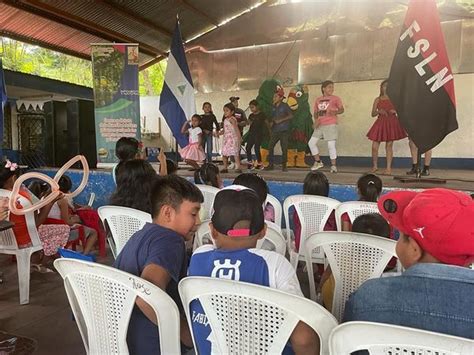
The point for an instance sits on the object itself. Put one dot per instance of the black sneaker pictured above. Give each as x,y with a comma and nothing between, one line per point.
425,171
412,171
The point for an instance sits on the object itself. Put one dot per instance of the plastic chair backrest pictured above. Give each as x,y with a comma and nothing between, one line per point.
272,200
354,258
209,193
313,212
387,339
252,319
102,299
123,223
203,235
7,239
354,209
273,240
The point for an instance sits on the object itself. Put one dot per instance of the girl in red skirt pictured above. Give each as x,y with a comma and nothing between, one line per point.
386,128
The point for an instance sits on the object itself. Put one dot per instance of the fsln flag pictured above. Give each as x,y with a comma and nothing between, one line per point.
3,100
177,97
421,83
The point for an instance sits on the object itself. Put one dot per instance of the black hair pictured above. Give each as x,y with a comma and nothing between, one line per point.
38,188
230,106
255,182
326,83
316,183
381,84
135,180
370,187
254,103
65,184
207,175
171,167
7,173
197,116
172,190
126,148
371,223
207,103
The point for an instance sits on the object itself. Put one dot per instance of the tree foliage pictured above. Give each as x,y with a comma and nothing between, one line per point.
30,59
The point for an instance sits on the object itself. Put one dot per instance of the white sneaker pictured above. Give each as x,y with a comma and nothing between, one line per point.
231,166
333,169
317,165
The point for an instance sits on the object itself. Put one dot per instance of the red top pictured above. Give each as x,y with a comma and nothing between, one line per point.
20,228
386,104
324,104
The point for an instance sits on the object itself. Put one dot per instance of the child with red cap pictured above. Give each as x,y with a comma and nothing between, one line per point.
436,244
236,226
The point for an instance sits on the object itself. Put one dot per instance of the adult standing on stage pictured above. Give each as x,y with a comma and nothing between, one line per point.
326,109
414,159
386,128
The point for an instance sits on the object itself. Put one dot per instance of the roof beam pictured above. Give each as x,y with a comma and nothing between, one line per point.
46,45
199,12
54,14
126,12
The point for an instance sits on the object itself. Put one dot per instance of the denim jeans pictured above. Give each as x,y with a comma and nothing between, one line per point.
434,297
207,145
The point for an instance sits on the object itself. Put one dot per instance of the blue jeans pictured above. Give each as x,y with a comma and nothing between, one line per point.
434,297
207,145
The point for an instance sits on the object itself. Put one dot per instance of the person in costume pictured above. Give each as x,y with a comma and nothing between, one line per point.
386,128
301,126
265,102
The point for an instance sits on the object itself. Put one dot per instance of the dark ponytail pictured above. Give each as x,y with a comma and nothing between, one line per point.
370,187
207,175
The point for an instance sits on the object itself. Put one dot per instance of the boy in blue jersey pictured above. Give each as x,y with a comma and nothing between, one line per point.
157,253
237,224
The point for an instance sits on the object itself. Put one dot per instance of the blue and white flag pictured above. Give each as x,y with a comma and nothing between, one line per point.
3,100
177,98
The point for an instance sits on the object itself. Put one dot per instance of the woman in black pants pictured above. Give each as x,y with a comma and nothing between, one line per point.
258,126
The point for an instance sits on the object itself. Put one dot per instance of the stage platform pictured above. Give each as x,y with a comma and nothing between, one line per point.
455,179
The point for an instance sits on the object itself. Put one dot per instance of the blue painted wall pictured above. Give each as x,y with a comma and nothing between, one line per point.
102,185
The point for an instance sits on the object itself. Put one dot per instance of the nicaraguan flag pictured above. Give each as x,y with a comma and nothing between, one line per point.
177,97
421,83
3,100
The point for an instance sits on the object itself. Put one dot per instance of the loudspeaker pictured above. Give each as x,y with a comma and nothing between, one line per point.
81,130
56,147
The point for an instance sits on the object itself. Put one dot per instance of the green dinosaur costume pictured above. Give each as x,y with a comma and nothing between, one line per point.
301,126
265,102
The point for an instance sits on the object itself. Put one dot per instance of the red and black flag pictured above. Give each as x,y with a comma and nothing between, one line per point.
421,84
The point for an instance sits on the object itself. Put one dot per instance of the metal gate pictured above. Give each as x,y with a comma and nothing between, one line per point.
31,138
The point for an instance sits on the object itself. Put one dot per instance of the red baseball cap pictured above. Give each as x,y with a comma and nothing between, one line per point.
440,220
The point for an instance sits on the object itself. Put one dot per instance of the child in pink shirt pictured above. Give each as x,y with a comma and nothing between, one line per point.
326,109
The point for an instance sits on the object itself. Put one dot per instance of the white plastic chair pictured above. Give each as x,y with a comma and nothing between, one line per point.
354,258
386,339
272,200
313,213
8,245
102,299
123,222
209,193
273,240
354,209
252,319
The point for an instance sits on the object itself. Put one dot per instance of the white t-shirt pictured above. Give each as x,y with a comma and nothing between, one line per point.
194,134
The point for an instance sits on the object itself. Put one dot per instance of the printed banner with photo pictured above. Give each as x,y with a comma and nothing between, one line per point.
117,103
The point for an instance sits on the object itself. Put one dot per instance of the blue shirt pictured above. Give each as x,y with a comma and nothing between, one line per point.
257,266
153,244
279,112
434,297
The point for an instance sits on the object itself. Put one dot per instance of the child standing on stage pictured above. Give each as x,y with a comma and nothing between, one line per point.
326,109
256,133
208,121
193,152
232,138
386,128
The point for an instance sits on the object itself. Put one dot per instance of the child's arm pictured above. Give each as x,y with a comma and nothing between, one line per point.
233,121
304,340
375,112
200,138
41,216
185,128
65,216
162,160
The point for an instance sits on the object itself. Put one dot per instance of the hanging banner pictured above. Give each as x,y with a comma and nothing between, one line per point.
117,103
